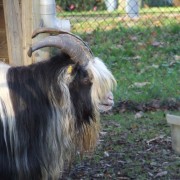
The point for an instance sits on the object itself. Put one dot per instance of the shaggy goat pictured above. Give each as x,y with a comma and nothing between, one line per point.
50,110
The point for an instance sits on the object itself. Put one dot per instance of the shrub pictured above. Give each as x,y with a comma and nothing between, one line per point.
81,5
159,3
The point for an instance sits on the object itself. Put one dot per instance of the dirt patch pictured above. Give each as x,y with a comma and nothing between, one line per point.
136,152
153,105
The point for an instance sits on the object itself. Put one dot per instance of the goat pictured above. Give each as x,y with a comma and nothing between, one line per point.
50,110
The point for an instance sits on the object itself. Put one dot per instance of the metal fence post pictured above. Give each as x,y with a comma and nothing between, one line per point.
132,8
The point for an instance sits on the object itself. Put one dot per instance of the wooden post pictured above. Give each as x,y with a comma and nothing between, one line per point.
26,29
38,55
176,3
43,53
3,40
12,14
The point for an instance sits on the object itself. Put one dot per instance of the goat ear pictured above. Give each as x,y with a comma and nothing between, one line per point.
72,69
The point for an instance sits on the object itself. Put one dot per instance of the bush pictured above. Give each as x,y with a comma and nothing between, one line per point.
158,3
81,5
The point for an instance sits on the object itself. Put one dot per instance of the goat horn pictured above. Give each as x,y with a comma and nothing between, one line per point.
53,31
70,44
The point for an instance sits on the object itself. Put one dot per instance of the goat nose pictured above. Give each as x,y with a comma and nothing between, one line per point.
110,96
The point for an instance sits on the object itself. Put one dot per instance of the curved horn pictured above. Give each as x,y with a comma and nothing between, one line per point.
53,31
70,44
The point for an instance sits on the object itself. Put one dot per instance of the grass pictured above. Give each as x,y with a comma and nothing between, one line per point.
144,146
137,55
119,12
131,148
136,51
88,21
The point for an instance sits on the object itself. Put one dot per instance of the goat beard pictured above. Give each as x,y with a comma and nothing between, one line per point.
102,99
87,136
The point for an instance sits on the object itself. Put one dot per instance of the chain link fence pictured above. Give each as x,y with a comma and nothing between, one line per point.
137,39
87,16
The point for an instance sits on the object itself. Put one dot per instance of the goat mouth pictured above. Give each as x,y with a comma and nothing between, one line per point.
104,107
107,103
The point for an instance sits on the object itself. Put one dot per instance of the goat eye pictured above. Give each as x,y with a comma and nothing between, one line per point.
86,81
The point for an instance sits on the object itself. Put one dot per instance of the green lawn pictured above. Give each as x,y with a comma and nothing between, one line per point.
131,148
144,56
143,53
145,62
118,12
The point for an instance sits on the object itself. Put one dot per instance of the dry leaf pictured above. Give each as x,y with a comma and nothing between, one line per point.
133,38
155,66
136,57
157,44
102,133
139,115
106,154
149,67
155,139
177,58
160,174
139,84
150,174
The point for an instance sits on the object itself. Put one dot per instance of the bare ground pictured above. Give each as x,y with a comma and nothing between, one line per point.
140,151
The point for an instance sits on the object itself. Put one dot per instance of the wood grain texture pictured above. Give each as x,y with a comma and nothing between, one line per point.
176,2
12,14
3,40
26,29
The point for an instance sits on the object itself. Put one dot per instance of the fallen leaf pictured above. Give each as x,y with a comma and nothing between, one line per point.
136,57
142,45
139,84
106,154
102,133
139,115
154,33
149,67
172,63
177,58
133,38
157,44
150,174
100,175
160,174
155,66
155,139
153,163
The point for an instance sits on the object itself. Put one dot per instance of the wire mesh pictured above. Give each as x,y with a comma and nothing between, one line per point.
137,39
87,16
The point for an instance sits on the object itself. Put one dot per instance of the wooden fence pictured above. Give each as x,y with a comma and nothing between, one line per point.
16,27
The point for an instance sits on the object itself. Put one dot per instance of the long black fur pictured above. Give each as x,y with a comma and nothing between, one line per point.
29,87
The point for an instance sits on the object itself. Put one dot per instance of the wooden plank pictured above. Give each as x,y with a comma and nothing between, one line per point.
2,22
3,47
176,3
27,29
13,31
3,41
41,54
